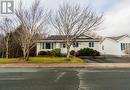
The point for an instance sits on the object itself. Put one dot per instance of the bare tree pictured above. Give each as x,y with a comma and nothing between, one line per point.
6,26
32,21
93,34
73,21
2,46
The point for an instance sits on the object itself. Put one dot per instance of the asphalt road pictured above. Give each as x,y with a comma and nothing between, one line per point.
64,79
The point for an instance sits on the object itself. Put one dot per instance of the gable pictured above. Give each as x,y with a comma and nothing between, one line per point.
108,40
85,37
125,40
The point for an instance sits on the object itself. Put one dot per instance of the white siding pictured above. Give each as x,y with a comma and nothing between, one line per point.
64,50
38,48
82,45
124,40
110,47
113,47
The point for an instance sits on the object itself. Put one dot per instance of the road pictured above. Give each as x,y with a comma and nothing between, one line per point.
64,79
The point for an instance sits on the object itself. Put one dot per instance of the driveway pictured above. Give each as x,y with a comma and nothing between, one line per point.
106,59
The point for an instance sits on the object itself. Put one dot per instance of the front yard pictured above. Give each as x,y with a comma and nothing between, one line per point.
42,60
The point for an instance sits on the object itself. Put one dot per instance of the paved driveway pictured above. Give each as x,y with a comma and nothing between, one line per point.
107,59
64,79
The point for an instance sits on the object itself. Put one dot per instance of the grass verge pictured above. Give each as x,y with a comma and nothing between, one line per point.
43,60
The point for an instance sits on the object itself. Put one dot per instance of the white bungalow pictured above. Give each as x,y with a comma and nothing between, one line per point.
56,41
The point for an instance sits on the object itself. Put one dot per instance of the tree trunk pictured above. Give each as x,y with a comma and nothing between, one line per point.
16,55
68,52
27,57
74,52
24,53
7,49
3,54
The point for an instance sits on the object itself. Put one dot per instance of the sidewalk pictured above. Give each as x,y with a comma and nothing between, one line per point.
65,65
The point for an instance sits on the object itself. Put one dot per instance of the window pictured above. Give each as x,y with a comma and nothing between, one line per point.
121,46
52,45
124,46
64,45
103,47
91,44
75,44
48,46
43,45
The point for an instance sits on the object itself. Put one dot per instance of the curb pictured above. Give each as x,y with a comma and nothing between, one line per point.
66,65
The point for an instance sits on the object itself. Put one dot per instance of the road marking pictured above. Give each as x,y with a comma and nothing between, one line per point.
82,85
60,76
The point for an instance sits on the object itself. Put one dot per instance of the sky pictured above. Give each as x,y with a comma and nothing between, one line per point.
116,20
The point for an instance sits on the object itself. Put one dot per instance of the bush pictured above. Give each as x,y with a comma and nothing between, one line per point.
48,53
56,52
72,52
87,52
42,53
96,53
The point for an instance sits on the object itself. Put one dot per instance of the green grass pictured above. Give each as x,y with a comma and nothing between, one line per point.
12,60
43,60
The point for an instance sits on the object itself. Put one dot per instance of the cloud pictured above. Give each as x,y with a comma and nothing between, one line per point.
116,13
117,19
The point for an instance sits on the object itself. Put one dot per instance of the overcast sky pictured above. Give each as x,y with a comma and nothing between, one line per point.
116,13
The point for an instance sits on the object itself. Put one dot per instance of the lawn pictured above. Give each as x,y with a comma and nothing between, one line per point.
43,60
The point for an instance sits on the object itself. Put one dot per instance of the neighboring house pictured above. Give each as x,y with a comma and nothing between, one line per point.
116,45
57,41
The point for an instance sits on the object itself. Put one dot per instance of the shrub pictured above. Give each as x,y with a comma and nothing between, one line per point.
42,53
87,52
48,53
72,52
56,52
96,53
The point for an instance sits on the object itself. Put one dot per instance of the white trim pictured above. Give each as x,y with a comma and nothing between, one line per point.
122,38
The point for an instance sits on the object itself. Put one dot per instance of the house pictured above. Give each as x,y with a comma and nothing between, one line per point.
116,45
57,41
109,46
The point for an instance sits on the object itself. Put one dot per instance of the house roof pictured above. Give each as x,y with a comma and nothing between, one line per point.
55,37
118,37
61,37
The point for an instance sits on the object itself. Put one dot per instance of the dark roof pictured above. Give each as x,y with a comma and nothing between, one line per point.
117,38
61,37
55,37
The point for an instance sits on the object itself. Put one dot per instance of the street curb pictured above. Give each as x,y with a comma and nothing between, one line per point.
66,65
